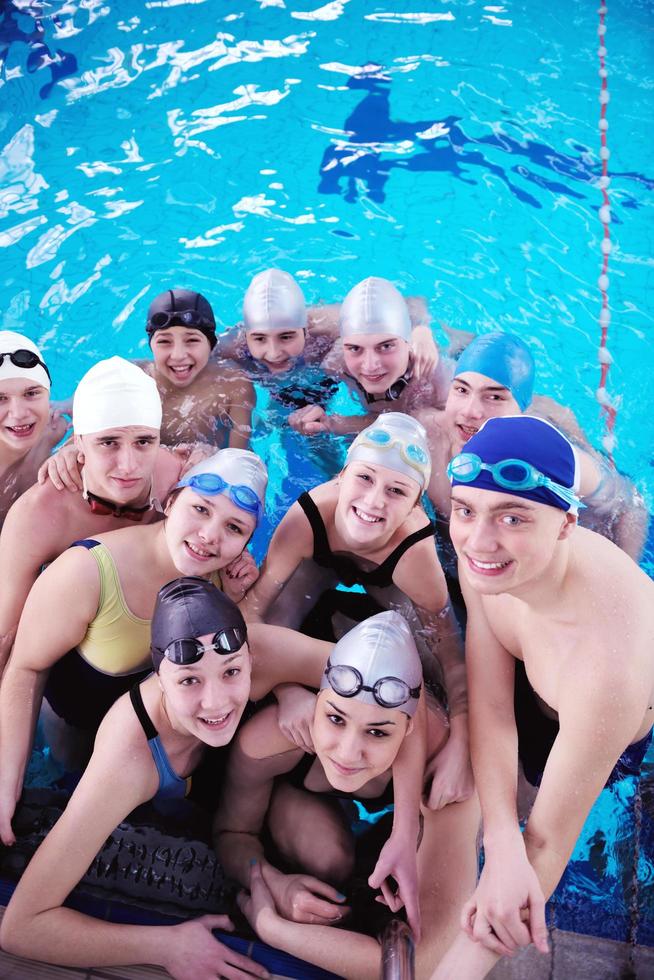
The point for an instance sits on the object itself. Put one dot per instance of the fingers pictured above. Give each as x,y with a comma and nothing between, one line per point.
239,967
537,924
319,912
467,919
7,835
222,922
410,896
323,888
391,898
482,932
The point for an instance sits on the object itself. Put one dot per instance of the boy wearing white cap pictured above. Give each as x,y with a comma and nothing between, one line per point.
28,428
116,419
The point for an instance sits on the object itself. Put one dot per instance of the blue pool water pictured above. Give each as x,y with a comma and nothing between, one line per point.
450,145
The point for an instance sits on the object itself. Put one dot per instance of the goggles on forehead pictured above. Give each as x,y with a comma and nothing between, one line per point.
178,318
389,692
188,650
24,359
510,474
411,453
211,484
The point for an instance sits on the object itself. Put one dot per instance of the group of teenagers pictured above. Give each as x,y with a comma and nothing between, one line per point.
363,737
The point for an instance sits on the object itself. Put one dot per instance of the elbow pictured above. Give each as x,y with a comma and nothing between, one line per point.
15,933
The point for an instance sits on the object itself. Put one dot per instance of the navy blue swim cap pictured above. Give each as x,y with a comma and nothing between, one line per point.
530,451
181,308
505,358
189,607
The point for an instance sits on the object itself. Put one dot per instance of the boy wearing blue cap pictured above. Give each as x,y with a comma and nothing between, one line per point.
550,607
494,377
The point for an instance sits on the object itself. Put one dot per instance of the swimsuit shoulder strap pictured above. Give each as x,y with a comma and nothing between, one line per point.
321,547
388,565
87,543
142,715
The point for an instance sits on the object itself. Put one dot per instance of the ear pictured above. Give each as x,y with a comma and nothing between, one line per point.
568,526
409,727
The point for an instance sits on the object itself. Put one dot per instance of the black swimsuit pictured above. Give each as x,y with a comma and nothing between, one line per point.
348,571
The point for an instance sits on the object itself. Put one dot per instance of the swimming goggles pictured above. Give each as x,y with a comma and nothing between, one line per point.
411,453
189,650
510,474
107,508
24,359
178,318
212,484
389,692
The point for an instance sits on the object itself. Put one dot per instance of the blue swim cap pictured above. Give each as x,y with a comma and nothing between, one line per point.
505,358
531,452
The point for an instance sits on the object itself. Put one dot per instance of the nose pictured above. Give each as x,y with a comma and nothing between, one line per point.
273,349
474,408
370,361
19,409
374,496
214,697
482,537
178,351
126,460
211,532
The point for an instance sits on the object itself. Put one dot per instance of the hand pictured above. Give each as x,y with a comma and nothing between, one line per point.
63,469
397,860
295,709
309,420
7,809
424,350
507,909
195,954
239,575
451,774
302,898
191,453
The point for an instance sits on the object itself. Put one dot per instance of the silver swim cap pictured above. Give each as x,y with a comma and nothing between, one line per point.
397,441
241,474
274,301
377,663
375,306
113,394
17,363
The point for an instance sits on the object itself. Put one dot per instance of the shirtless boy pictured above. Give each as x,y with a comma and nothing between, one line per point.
563,621
202,401
28,430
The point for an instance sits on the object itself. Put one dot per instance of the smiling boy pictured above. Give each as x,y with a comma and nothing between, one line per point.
560,672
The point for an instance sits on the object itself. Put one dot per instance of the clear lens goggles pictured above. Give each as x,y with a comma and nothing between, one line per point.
389,692
411,453
189,650
211,484
24,359
511,474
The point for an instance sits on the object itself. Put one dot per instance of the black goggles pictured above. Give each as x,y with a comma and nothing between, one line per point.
389,692
189,650
179,318
24,359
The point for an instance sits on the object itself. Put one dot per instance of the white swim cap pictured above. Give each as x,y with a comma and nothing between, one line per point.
239,470
113,394
274,301
31,369
377,663
397,441
375,306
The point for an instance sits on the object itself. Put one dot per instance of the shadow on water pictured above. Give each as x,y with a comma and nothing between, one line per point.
360,163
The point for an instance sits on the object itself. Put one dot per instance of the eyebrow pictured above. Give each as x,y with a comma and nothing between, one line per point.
514,505
369,724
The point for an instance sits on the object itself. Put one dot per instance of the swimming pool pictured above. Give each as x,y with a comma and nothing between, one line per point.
451,146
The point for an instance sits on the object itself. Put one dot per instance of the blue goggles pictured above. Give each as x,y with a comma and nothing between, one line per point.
510,474
211,484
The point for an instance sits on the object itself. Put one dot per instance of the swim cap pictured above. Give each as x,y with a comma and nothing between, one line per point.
181,308
375,306
187,608
505,358
397,441
377,656
274,301
530,459
241,474
115,393
32,368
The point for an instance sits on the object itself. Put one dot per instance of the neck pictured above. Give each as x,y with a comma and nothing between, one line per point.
9,456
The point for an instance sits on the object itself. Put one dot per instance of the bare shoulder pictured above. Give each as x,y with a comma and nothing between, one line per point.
38,523
610,586
260,738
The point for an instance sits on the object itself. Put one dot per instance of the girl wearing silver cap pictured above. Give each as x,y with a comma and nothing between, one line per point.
369,691
368,527
84,633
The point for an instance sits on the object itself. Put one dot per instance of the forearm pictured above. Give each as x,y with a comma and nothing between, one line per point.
447,646
348,954
409,775
20,702
494,753
236,850
6,643
342,425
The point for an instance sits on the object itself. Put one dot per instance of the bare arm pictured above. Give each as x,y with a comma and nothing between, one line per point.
55,619
242,402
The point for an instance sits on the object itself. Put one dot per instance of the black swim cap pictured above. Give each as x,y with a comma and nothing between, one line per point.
181,308
187,608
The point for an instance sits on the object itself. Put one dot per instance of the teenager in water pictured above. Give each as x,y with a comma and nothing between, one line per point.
84,634
274,790
146,749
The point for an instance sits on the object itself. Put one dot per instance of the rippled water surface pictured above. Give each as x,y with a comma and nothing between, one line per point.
451,146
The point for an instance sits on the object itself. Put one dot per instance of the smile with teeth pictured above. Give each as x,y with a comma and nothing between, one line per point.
488,566
198,551
21,430
469,430
368,518
216,722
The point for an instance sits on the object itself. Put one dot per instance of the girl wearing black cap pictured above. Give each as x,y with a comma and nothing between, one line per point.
146,748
